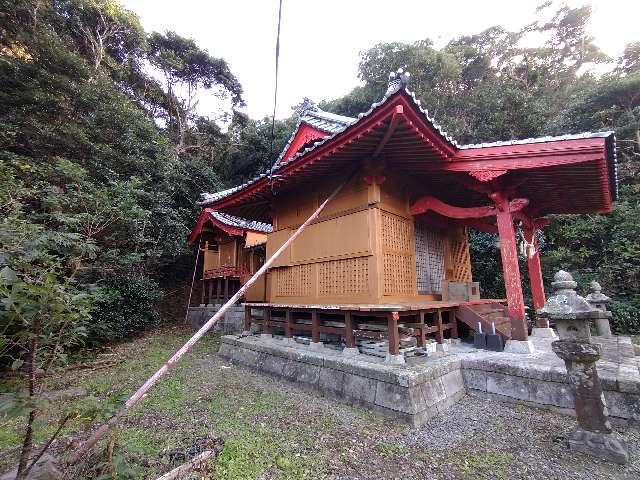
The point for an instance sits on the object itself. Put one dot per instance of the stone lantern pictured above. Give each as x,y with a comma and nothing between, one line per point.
600,301
572,315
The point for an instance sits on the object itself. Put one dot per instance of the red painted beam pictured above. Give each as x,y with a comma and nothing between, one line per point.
428,203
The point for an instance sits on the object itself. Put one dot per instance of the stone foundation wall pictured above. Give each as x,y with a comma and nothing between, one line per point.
413,396
417,392
231,323
544,385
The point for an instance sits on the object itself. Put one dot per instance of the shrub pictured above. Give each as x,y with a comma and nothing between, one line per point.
123,306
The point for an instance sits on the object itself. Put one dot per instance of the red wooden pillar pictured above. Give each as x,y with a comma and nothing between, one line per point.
210,291
287,323
226,288
393,334
510,269
202,293
349,339
247,319
535,272
453,323
266,317
439,333
421,335
315,327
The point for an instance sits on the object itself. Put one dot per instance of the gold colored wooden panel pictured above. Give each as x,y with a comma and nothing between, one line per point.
339,237
343,277
398,255
294,281
210,260
459,259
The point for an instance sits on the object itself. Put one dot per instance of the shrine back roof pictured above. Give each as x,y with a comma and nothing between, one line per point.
396,136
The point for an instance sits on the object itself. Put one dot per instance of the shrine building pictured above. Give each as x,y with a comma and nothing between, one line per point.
389,255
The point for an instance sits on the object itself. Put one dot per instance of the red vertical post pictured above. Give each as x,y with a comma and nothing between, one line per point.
202,293
393,334
266,317
535,271
349,339
421,336
453,323
247,319
315,327
439,333
510,269
210,291
287,323
226,288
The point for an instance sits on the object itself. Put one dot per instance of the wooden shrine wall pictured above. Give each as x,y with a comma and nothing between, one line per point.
361,250
333,259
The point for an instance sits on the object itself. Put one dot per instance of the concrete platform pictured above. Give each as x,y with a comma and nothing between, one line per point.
425,386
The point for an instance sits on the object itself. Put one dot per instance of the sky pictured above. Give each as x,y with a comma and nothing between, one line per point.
321,40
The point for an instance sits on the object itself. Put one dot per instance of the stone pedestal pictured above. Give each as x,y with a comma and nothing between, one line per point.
543,332
316,346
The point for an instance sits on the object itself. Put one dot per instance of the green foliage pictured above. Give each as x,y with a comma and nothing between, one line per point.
122,306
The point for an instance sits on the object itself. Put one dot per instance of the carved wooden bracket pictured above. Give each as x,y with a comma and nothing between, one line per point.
433,204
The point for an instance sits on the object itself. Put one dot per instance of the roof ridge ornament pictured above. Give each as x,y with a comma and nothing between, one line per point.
307,105
397,81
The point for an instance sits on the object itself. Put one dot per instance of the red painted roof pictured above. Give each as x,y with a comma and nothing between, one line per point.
229,224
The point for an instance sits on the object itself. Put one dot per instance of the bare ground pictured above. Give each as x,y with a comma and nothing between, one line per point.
273,429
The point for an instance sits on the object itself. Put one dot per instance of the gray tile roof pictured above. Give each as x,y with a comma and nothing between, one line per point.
336,124
525,141
241,222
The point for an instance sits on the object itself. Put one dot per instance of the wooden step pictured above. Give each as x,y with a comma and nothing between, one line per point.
471,318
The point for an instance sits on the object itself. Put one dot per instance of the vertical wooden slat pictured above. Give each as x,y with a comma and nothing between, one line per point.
348,330
439,335
393,335
202,293
315,324
210,282
226,288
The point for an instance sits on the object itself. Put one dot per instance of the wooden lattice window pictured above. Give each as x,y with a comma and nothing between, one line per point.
293,281
398,255
396,233
429,259
343,277
460,268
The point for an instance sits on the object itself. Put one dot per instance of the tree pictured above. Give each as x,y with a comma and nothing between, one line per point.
186,69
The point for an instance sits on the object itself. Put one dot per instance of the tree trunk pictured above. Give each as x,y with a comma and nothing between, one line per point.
27,443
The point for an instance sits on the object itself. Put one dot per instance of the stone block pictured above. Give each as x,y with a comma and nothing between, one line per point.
270,364
360,388
551,393
453,383
331,380
509,386
475,379
301,372
402,399
433,392
623,405
523,347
